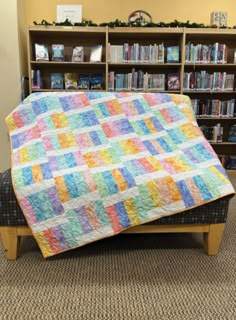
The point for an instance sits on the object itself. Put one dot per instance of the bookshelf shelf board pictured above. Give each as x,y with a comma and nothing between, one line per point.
61,90
144,64
61,63
223,143
210,65
216,118
216,92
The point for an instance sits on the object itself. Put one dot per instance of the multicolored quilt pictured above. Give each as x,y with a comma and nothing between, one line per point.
87,165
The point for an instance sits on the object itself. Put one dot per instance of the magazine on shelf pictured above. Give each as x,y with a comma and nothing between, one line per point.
96,53
70,80
41,52
58,52
78,54
57,80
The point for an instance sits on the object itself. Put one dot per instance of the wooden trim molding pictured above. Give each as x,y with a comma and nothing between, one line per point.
212,235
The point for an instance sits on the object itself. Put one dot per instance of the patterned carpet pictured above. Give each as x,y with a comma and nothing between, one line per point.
124,277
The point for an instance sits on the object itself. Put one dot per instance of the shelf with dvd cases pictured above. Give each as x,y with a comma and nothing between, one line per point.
69,50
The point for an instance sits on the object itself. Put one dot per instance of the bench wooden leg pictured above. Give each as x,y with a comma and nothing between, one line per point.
212,238
11,242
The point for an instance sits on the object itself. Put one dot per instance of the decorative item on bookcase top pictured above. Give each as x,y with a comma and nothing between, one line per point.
139,17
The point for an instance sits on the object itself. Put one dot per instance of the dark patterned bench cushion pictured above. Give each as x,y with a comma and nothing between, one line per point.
11,214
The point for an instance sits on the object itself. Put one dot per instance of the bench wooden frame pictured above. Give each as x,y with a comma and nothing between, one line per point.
212,235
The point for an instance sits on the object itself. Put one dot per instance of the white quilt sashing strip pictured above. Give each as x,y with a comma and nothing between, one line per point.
121,196
82,201
167,210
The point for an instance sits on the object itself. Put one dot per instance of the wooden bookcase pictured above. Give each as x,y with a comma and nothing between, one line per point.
90,36
69,37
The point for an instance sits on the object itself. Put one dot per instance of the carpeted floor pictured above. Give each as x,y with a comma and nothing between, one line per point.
159,277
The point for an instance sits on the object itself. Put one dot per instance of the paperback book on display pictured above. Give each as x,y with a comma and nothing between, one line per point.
41,52
70,80
173,81
57,80
57,52
172,54
84,82
96,82
78,54
96,53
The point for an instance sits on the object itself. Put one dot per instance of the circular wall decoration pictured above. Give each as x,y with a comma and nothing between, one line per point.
139,17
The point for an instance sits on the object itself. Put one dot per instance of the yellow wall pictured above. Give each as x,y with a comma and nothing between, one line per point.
10,72
161,10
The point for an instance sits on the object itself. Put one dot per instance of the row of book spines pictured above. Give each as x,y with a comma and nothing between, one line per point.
228,161
213,133
205,81
143,53
138,80
203,53
214,107
58,53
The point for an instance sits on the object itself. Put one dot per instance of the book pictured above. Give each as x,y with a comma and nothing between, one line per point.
84,82
172,54
57,80
41,52
232,162
232,133
173,81
234,55
96,82
70,79
96,53
36,79
57,52
211,133
78,54
111,81
225,160
219,132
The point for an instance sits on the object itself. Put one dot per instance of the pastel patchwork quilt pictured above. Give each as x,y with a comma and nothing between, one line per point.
87,165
